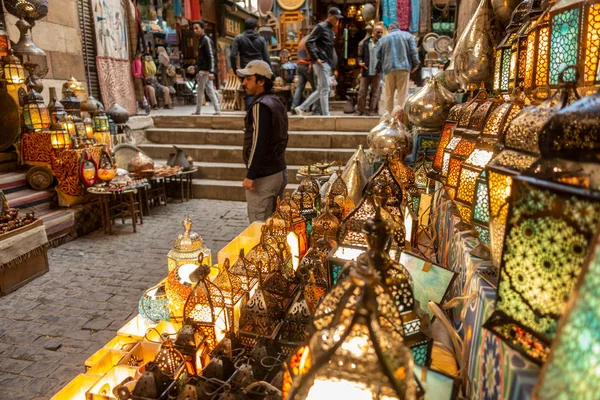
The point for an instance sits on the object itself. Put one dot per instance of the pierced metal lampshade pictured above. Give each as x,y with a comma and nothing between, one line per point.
453,118
187,247
4,42
520,45
325,225
71,103
35,112
234,293
337,199
260,317
13,69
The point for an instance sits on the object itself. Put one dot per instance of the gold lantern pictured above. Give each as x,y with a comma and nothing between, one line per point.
260,317
264,257
337,198
4,42
59,138
35,112
521,150
234,291
246,271
445,137
291,210
325,225
13,69
521,45
187,247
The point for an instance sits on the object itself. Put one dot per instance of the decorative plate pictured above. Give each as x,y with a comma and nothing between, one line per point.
429,41
443,43
290,5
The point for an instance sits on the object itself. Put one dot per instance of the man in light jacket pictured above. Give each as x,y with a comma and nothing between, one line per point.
397,53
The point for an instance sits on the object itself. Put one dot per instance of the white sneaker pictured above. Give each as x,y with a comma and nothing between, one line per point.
299,111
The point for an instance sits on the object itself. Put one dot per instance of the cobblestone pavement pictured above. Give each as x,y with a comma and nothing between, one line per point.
49,327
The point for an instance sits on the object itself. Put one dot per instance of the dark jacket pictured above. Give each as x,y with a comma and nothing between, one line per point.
206,60
251,46
365,57
320,44
265,136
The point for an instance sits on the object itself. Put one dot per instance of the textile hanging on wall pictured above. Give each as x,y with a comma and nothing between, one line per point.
425,17
415,8
389,12
403,14
112,55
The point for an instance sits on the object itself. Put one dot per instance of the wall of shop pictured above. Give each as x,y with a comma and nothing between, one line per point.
59,36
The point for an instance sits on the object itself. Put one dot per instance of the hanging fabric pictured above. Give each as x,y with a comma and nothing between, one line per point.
415,6
187,9
389,12
403,14
195,10
177,8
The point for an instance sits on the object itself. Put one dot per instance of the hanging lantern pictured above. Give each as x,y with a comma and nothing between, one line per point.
504,65
13,69
521,150
204,309
571,370
574,40
71,103
187,247
59,138
35,112
445,137
549,230
4,42
154,304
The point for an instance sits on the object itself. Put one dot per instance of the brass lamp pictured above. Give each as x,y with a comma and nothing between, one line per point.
35,112
69,124
89,129
538,52
291,209
187,247
337,198
325,225
265,256
13,69
315,262
4,42
234,293
246,271
520,45
521,150
446,135
59,138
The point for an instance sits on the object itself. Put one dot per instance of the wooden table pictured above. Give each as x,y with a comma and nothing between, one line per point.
125,203
183,182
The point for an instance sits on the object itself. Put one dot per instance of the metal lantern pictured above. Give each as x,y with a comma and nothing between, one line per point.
306,201
57,111
187,247
315,262
246,271
154,304
264,257
70,126
260,317
4,42
520,45
325,225
291,210
59,137
234,291
205,308
169,359
35,112
180,283
71,103
550,227
574,40
520,151
358,357
571,370
13,69
445,137
101,120
337,198
538,50
89,129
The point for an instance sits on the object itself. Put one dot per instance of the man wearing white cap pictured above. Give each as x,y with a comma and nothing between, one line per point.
265,141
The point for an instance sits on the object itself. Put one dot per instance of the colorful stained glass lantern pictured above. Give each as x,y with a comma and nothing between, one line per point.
13,69
187,247
520,45
101,120
521,151
71,103
471,169
445,137
4,42
574,41
549,230
154,304
35,112
358,357
57,111
59,138
538,52
571,371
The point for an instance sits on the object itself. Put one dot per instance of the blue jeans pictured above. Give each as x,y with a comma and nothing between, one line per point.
323,75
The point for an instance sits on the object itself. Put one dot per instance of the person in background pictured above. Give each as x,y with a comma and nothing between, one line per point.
369,29
138,80
265,141
305,74
153,87
371,74
205,69
320,47
397,53
250,46
164,63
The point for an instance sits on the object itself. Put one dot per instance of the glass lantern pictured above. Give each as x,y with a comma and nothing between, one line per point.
326,225
538,51
520,45
505,63
187,247
4,42
101,121
35,112
89,129
59,137
154,304
234,291
80,129
13,69
57,111
446,135
71,103
550,227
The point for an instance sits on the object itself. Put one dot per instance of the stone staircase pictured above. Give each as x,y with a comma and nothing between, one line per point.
215,143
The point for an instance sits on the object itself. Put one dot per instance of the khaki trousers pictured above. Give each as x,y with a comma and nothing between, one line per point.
262,201
396,81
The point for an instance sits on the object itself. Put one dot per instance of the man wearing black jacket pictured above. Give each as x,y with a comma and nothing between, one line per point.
250,46
321,50
265,141
206,65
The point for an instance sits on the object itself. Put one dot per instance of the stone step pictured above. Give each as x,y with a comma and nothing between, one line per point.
233,154
295,123
223,189
9,166
324,140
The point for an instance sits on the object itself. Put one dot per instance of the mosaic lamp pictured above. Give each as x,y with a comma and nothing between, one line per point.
59,138
357,357
453,118
154,304
187,247
13,69
550,228
4,42
571,371
574,40
35,112
468,196
520,46
521,151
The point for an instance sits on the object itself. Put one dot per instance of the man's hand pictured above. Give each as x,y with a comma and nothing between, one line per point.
248,184
362,64
319,61
414,69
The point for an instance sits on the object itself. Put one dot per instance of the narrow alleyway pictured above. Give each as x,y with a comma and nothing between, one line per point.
49,327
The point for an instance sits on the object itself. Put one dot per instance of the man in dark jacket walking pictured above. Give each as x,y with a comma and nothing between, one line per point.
371,73
321,50
265,141
250,46
205,65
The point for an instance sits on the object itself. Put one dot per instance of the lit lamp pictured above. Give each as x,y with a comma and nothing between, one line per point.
520,45
169,359
574,40
187,247
89,129
325,225
538,50
35,112
154,304
453,117
180,283
549,230
4,41
504,64
59,138
571,370
520,151
57,111
80,129
13,69
234,292
246,271
291,210
265,256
